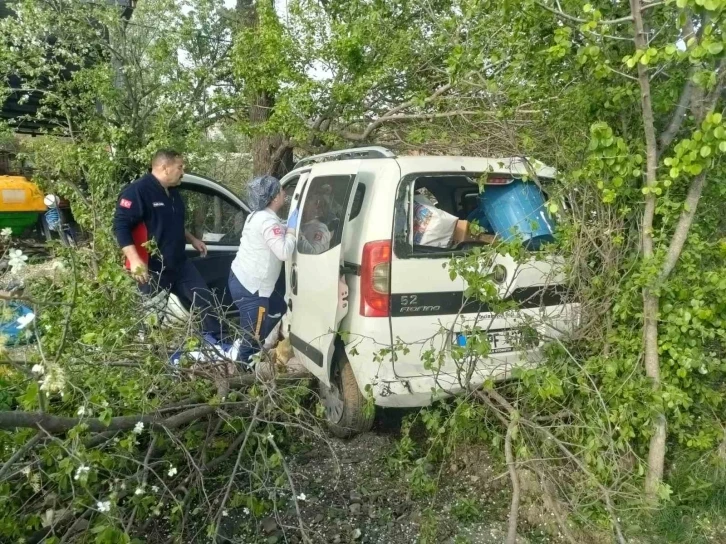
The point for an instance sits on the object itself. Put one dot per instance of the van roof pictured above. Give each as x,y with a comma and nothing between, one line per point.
431,163
503,165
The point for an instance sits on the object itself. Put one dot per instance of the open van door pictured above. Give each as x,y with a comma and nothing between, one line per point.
317,294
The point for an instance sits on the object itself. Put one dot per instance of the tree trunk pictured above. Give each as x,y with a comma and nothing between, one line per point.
268,155
656,452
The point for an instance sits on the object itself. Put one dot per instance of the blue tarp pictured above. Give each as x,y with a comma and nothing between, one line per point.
14,328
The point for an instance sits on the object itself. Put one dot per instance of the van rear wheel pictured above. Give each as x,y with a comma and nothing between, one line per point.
346,410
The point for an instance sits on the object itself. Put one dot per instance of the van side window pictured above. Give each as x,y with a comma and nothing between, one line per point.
360,193
211,218
433,214
323,214
289,190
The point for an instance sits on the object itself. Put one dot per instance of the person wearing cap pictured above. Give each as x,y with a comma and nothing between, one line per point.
255,280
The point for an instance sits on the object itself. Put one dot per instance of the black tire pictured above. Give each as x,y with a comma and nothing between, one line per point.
347,412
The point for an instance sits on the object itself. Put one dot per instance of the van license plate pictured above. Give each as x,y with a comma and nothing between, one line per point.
504,340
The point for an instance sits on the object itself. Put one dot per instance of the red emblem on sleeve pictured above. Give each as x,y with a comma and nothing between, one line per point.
124,203
277,231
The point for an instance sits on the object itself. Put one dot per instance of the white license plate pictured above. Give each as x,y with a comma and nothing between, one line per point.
504,340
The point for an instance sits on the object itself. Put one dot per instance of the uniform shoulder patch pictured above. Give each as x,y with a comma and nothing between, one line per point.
125,203
277,230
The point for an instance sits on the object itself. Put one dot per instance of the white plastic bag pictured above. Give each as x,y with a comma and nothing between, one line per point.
431,226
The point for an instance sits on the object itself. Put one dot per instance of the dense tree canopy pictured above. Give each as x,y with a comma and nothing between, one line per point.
624,98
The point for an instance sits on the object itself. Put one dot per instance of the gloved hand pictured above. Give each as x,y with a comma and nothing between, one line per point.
292,221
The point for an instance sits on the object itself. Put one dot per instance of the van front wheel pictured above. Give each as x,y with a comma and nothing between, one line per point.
347,412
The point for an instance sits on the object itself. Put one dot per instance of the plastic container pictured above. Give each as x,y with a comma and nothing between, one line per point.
518,210
21,201
17,194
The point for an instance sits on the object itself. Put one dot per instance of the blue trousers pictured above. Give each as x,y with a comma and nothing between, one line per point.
258,315
187,283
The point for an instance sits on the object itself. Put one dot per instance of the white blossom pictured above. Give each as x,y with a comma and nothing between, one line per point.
225,513
138,428
155,488
302,497
103,506
81,411
55,380
172,472
16,260
26,471
7,232
270,437
35,482
38,369
246,511
81,472
139,491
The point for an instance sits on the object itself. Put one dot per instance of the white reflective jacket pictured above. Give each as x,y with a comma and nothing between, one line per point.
263,247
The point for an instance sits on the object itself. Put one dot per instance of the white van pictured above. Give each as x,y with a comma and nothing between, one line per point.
367,291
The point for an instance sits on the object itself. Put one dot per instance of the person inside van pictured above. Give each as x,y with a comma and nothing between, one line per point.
314,234
255,281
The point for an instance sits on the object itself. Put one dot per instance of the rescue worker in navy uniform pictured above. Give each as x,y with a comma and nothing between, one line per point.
152,208
256,283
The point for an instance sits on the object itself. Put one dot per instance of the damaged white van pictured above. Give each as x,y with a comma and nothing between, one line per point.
369,288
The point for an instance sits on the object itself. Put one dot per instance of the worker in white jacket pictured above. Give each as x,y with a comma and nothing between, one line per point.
255,281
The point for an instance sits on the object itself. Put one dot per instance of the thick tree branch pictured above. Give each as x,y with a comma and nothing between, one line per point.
693,196
514,477
626,19
679,114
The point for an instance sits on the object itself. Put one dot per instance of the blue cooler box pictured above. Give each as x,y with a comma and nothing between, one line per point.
518,209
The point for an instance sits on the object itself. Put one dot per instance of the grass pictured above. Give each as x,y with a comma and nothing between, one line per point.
696,513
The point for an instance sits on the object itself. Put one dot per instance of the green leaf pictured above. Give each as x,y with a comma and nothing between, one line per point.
711,5
722,147
681,3
587,8
715,48
105,417
705,151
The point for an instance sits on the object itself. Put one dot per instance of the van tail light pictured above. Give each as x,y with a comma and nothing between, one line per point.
375,279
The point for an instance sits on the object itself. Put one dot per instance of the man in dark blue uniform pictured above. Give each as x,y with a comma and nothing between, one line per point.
151,208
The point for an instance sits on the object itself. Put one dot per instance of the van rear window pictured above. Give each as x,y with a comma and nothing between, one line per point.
441,207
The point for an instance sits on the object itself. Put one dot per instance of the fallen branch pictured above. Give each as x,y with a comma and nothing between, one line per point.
490,397
514,477
22,450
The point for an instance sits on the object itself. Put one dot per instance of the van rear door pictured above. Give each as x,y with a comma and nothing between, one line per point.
429,312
